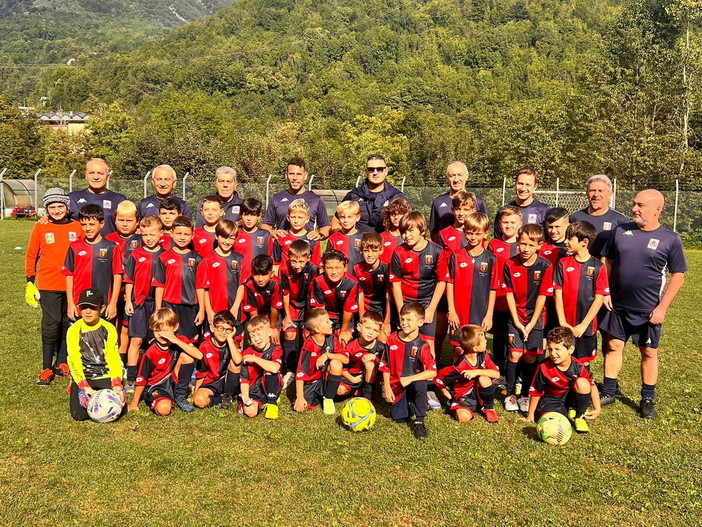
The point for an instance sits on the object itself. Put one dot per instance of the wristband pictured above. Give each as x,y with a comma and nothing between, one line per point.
117,381
83,384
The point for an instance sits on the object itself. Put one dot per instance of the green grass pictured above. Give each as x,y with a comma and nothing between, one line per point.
217,468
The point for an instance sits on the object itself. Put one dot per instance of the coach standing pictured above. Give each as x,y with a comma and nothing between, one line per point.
638,255
97,175
226,184
164,182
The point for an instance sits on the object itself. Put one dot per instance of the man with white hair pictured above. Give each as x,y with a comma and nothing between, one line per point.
164,181
598,190
225,184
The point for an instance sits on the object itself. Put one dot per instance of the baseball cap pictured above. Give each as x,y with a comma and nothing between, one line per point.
56,195
91,297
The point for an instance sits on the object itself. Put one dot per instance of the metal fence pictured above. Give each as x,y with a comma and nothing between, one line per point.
683,210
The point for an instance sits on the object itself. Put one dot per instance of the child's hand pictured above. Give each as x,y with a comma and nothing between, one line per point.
487,323
405,381
356,378
470,374
129,308
275,336
579,330
111,311
249,359
593,414
72,311
453,320
386,329
345,337
429,315
119,390
300,405
389,396
210,316
529,418
169,335
133,407
200,317
321,360
607,303
287,323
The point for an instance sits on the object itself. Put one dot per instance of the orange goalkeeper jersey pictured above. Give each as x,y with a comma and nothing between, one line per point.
48,245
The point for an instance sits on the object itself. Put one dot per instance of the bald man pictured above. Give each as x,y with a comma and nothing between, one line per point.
97,175
164,181
638,254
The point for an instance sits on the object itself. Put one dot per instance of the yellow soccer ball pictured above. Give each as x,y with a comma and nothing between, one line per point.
358,414
554,428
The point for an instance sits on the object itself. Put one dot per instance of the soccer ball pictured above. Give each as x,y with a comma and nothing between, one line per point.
554,428
358,414
105,406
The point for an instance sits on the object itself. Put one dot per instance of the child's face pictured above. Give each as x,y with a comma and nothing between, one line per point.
182,236
334,270
395,219
510,225
574,245
475,237
348,221
57,211
168,217
525,186
126,224
461,213
164,328
91,227
250,220
151,236
298,263
371,254
557,230
482,343
226,243
90,314
558,352
298,220
211,212
369,330
221,331
324,325
410,322
412,236
261,337
527,247
262,280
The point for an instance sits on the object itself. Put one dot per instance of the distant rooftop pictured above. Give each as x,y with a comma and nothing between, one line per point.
63,117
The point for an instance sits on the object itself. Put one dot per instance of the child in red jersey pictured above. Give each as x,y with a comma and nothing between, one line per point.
168,210
204,237
166,367
392,214
468,383
452,237
252,240
407,366
262,293
361,373
553,249
561,383
348,239
298,217
322,359
92,263
180,280
261,381
373,281
46,285
220,367
139,290
528,281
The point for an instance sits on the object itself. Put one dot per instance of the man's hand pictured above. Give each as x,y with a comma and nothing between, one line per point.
314,235
32,295
278,233
657,315
129,308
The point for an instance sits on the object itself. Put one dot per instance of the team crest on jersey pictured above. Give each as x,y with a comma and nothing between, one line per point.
259,240
381,277
510,338
305,276
607,226
428,259
537,275
342,294
590,271
483,267
49,237
414,351
133,244
191,262
653,244
357,242
106,204
235,265
102,253
531,218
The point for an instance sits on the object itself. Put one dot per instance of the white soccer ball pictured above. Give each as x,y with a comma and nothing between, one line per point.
105,406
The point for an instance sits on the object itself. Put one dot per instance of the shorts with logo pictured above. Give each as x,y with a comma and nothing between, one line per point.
163,390
625,324
534,344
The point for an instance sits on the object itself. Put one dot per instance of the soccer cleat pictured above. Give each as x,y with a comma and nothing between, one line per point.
63,370
571,413
420,431
129,386
491,415
227,401
581,425
184,405
288,379
433,400
511,404
45,378
648,409
500,381
271,411
606,399
523,403
328,406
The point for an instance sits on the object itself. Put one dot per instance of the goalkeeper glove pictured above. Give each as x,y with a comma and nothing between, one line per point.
31,295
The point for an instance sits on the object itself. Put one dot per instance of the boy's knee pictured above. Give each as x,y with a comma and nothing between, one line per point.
582,386
529,359
464,416
484,382
342,390
335,367
163,408
201,399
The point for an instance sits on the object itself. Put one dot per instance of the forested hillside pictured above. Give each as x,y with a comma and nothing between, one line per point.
569,87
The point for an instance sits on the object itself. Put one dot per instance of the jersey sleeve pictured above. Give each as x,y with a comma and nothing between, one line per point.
277,296
129,268
249,300
316,295
159,273
451,274
117,260
351,302
434,218
427,359
271,218
558,276
201,276
446,377
322,215
33,252
384,364
395,268
277,252
69,264
602,281
442,266
316,254
495,277
546,285
676,257
145,368
340,348
75,359
507,279
538,384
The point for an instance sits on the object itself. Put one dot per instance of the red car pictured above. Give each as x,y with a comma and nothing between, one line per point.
24,211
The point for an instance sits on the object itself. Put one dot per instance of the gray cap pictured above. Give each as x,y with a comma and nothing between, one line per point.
56,195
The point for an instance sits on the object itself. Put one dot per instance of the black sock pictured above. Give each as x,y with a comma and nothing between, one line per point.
488,397
131,372
510,376
528,370
47,351
368,390
609,386
290,355
272,388
231,383
184,376
332,385
123,357
648,391
582,401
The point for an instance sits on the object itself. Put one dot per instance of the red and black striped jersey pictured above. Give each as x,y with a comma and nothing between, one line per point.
204,241
418,271
250,245
250,373
405,358
451,377
528,283
451,238
473,277
166,242
357,352
503,251
215,361
549,379
282,244
139,270
297,287
179,275
309,353
335,298
580,283
126,245
92,265
374,285
349,244
552,253
223,278
390,243
157,363
262,299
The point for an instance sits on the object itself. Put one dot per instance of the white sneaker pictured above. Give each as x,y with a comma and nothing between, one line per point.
523,403
288,378
511,404
433,400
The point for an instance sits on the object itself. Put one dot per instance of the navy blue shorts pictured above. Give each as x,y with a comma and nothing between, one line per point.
139,321
412,400
217,389
186,319
163,390
314,392
585,349
623,325
549,403
257,390
534,345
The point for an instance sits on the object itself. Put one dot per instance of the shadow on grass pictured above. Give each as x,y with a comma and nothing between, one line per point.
529,431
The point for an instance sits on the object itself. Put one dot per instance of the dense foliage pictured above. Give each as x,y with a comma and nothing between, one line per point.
570,87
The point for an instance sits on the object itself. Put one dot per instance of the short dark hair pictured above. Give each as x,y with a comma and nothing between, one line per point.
582,230
183,221
169,204
413,307
561,335
333,254
372,240
296,161
375,156
251,206
224,316
91,212
226,228
533,231
556,213
299,248
311,315
261,264
212,198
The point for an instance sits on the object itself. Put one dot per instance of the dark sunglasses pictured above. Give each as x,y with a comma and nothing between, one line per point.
375,169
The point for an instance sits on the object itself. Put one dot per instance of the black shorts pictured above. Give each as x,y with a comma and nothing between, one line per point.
314,392
186,319
412,400
622,325
353,386
139,321
163,390
534,344
257,390
217,389
468,402
428,330
549,403
585,349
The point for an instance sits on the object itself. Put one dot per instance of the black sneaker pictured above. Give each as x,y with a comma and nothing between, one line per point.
227,401
184,405
420,431
648,409
606,399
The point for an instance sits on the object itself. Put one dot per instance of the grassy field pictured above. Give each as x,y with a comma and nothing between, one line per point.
217,468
